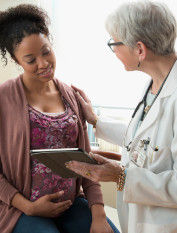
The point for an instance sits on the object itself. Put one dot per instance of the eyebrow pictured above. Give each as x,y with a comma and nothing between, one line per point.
29,55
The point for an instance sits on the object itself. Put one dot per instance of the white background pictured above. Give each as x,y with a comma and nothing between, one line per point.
83,57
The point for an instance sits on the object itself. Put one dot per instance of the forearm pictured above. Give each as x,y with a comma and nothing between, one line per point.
110,130
92,191
97,211
99,221
7,190
21,203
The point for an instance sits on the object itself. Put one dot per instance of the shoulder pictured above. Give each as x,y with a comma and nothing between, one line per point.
169,104
173,97
8,85
63,87
69,94
66,91
9,90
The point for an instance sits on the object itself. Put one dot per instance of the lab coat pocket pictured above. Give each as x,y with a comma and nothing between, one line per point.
156,228
159,160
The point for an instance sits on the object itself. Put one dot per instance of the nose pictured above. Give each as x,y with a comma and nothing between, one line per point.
42,63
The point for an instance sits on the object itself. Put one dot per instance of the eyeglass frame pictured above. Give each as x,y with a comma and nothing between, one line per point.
114,44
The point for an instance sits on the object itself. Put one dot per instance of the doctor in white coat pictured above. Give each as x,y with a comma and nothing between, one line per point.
143,35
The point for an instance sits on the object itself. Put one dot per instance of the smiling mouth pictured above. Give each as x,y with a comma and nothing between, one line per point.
47,72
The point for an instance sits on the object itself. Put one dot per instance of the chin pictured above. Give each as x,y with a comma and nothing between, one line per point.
128,68
46,79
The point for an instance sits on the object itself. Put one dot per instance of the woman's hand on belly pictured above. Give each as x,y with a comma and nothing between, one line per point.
45,207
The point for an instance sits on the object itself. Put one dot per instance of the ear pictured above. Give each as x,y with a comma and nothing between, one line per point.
141,50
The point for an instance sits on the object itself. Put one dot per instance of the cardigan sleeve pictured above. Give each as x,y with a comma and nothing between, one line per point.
92,190
7,191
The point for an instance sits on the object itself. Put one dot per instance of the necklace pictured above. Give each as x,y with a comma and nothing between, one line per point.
147,108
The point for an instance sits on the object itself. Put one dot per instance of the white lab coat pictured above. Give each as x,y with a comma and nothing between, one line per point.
148,203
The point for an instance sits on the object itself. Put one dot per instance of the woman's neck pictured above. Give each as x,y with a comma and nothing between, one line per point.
36,86
158,67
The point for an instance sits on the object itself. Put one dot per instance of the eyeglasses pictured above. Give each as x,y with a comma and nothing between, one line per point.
111,44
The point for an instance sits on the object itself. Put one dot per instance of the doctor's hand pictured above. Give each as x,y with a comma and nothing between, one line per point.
89,114
106,170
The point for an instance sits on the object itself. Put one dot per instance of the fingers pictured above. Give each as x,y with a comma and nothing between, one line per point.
80,167
77,167
76,88
82,101
60,207
55,195
100,159
83,169
63,204
81,95
108,154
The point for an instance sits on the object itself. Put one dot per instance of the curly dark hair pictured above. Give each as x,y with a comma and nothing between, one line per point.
19,22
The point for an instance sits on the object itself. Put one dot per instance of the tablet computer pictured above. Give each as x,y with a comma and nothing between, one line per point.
55,159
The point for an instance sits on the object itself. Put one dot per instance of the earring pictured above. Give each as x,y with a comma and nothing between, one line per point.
139,64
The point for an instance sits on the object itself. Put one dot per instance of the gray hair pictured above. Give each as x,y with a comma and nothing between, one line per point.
149,22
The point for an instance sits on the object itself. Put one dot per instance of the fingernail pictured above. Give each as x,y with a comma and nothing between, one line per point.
91,154
67,164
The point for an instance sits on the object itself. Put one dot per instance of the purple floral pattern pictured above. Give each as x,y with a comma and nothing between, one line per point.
52,132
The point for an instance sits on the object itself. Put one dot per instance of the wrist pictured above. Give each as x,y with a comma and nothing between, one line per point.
121,179
23,204
29,209
98,212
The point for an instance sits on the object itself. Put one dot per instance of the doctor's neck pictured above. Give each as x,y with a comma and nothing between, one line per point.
158,67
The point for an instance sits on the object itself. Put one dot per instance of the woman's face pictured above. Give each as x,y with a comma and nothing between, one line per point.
36,56
127,56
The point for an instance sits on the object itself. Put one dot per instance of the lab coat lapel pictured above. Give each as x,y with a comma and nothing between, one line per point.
134,121
151,117
168,88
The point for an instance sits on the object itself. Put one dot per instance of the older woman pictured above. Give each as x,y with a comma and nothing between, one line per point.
143,37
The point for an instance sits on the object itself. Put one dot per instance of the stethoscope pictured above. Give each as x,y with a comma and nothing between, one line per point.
143,101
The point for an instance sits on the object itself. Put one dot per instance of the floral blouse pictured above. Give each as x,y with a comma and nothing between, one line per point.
52,131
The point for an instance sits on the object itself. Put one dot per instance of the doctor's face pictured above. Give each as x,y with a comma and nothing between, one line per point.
126,55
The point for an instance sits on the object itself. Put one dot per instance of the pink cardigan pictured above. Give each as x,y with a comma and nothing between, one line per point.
15,173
